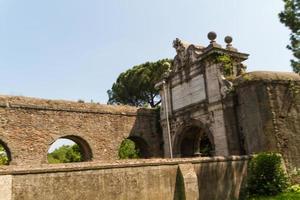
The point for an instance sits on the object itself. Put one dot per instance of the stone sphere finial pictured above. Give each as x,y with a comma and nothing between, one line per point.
228,40
212,36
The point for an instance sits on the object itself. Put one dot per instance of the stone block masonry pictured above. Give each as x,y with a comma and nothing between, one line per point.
28,127
160,179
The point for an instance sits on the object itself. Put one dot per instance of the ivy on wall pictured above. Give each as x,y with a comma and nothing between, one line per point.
227,64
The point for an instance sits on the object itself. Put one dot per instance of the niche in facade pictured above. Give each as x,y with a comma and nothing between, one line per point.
69,149
134,147
4,154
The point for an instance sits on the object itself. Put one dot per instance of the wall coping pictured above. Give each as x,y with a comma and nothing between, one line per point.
84,166
266,77
29,103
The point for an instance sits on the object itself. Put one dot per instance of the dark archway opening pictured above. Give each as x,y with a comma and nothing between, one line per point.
134,147
69,149
195,142
206,147
5,156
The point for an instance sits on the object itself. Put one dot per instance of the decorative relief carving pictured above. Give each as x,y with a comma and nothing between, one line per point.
226,86
186,54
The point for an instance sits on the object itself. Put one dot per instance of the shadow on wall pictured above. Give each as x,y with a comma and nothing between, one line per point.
147,134
225,177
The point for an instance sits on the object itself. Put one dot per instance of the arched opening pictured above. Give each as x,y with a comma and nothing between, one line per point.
134,147
5,156
69,149
194,141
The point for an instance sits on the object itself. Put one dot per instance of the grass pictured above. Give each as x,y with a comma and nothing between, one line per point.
283,196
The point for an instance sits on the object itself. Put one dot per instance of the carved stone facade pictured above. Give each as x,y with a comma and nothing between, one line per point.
198,100
208,111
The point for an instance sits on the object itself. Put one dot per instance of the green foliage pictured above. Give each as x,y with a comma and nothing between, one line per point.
135,87
3,156
294,175
294,188
128,150
291,193
65,154
227,64
290,16
283,196
266,175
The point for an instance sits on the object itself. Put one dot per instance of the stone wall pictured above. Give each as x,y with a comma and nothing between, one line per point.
29,126
269,114
198,178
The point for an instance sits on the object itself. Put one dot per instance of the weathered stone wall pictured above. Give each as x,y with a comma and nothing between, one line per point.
29,126
198,178
269,114
231,125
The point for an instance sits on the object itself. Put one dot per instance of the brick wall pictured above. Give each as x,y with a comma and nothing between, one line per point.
29,126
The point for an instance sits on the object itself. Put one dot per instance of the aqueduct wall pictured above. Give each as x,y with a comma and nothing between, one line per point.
29,126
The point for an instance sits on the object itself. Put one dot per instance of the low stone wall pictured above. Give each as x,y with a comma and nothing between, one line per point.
196,178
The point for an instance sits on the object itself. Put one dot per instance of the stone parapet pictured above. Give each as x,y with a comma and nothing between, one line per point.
129,179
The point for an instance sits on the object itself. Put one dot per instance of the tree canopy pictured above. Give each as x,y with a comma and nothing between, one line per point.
135,87
290,16
3,156
65,154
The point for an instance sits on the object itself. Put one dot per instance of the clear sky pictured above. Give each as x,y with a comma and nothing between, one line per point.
74,49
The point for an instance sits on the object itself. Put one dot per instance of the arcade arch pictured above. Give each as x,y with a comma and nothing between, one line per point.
69,149
138,146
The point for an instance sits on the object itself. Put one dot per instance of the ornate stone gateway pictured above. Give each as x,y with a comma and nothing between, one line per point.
197,113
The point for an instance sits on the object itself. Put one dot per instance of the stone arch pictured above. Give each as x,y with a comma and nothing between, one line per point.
193,139
84,147
142,145
6,149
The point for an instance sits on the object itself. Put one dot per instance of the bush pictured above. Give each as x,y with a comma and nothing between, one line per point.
3,156
294,188
266,175
128,150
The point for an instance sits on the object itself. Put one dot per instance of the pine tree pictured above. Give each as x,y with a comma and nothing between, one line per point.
291,18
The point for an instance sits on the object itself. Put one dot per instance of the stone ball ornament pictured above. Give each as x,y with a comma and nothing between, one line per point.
212,36
228,39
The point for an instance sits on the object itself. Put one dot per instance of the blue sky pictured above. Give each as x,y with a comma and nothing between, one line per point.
74,49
